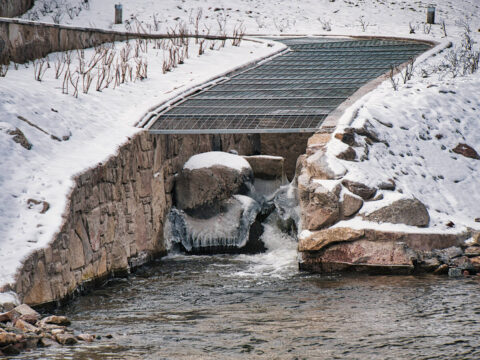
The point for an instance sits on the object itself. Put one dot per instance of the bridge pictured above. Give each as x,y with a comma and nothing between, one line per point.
292,92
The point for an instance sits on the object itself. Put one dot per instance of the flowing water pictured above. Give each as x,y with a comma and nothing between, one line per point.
261,307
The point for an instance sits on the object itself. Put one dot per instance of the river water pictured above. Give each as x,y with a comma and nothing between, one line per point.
261,307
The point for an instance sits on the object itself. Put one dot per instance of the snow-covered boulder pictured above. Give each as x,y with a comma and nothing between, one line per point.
404,211
209,178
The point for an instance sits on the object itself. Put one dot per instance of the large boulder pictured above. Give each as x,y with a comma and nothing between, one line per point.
346,249
405,211
319,204
209,178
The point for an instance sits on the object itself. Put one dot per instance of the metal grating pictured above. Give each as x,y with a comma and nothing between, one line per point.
293,92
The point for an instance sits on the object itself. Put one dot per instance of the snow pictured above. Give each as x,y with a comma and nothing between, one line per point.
97,123
216,158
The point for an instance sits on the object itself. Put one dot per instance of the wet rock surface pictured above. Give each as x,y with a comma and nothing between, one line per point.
23,328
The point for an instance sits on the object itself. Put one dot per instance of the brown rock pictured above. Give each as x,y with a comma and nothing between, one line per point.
317,167
205,187
25,326
405,211
364,191
267,167
86,337
27,313
387,185
46,342
442,269
11,315
56,320
349,154
20,138
350,205
45,205
475,261
319,206
7,338
362,256
347,137
321,239
472,251
467,151
66,339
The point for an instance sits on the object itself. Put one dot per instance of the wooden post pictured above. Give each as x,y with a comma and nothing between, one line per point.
118,14
431,15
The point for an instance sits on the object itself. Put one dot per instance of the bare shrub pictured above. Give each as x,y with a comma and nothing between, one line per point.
40,67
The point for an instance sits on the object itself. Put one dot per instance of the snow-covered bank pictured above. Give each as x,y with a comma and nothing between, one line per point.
90,129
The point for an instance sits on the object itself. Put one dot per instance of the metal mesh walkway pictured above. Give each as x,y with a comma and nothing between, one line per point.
293,92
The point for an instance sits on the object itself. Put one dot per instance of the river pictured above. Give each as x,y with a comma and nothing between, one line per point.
262,307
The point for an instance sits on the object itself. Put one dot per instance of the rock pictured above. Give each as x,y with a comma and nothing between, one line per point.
472,251
11,315
269,174
467,151
7,338
364,191
455,272
349,154
429,264
442,269
405,211
25,326
350,205
319,205
475,261
56,320
86,337
318,167
347,137
287,208
10,350
45,205
20,138
267,167
462,263
362,256
377,198
230,230
202,189
368,130
318,240
447,254
66,339
387,185
56,332
46,342
27,313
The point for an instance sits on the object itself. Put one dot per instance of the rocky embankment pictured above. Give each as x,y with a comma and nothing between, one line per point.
371,227
22,328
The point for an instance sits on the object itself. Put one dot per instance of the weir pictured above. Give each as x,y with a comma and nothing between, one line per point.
292,92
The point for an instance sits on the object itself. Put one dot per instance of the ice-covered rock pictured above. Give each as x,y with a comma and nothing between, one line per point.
209,178
232,229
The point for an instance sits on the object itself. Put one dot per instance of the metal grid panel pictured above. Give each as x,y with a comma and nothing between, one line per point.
293,92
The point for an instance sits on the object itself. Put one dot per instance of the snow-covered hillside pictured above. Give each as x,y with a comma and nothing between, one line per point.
425,118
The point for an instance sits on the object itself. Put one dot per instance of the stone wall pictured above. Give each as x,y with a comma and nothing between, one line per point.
12,8
114,220
22,41
115,216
